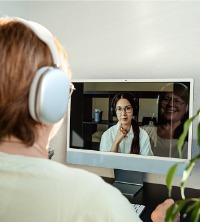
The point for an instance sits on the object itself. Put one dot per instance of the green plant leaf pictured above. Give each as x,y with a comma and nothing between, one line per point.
198,134
180,205
171,213
196,203
195,216
169,178
174,210
187,173
190,206
184,134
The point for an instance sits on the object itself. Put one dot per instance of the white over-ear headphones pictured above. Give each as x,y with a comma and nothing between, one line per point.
49,92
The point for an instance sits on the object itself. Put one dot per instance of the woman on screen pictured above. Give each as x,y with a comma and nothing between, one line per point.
172,113
126,136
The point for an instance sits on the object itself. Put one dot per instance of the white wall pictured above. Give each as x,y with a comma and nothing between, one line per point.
131,39
15,8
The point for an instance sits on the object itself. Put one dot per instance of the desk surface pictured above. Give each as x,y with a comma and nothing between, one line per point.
153,194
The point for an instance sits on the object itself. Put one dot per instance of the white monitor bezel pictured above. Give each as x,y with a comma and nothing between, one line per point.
146,164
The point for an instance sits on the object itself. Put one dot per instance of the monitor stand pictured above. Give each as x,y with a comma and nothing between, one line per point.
128,182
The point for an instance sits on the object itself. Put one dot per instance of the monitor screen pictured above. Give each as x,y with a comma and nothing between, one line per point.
99,133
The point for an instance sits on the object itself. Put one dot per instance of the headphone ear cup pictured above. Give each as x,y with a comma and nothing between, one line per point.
48,96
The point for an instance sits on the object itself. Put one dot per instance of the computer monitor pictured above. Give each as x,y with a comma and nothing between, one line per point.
91,113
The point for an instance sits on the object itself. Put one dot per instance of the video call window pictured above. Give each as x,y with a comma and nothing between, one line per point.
159,110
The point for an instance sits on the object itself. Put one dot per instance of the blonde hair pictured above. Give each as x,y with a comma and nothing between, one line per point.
22,53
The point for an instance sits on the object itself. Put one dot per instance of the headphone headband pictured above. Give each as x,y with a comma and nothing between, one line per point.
44,35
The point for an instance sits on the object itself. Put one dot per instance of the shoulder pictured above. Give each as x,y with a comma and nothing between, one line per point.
97,198
75,194
111,130
143,132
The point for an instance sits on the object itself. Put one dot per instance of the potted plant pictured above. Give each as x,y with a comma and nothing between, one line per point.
189,205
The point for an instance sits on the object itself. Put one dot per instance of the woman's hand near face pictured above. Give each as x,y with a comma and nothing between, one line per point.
121,134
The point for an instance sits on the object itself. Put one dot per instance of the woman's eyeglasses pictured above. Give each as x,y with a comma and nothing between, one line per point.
126,109
176,102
